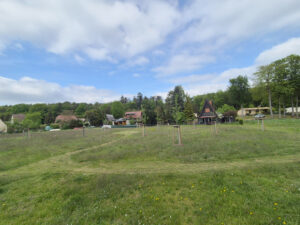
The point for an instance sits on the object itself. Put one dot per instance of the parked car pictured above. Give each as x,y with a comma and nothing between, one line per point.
259,116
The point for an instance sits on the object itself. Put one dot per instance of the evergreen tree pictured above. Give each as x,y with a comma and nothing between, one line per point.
188,110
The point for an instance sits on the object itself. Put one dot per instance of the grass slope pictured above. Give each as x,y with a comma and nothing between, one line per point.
239,176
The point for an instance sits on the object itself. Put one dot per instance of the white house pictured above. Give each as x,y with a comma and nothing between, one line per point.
3,127
290,110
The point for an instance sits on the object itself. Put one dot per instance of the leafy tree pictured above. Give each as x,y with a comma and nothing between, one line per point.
95,117
264,77
148,109
225,108
81,109
117,109
239,91
32,120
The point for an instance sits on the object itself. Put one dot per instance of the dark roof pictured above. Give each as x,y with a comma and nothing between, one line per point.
110,117
208,111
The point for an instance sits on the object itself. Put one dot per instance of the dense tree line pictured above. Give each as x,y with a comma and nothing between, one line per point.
275,85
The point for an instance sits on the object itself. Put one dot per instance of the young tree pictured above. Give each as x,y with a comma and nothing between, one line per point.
32,120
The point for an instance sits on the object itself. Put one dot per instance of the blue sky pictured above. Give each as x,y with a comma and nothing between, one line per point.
96,51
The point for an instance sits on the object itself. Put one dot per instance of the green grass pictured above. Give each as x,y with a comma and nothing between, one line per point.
239,176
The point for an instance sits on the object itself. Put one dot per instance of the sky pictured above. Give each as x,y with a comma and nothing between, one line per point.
98,50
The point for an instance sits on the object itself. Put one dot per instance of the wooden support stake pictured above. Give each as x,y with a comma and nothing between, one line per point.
216,131
178,135
262,125
83,134
143,130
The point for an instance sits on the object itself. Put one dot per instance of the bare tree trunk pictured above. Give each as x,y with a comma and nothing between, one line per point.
279,109
270,103
293,113
283,110
297,101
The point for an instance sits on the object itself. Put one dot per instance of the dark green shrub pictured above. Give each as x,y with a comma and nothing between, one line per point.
54,126
241,122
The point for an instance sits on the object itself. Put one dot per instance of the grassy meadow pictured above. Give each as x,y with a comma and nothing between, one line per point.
241,175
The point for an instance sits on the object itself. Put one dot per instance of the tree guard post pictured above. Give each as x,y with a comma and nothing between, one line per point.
178,135
143,130
216,131
83,134
262,125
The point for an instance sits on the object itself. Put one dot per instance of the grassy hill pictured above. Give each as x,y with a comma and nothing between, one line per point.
241,175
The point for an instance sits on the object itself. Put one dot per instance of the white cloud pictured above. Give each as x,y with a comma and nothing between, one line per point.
139,61
292,46
136,75
79,59
182,63
29,90
191,78
101,29
220,23
206,83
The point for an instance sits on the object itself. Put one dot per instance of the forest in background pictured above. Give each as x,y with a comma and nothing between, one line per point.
276,85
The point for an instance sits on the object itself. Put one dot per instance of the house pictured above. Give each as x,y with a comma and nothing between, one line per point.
136,115
65,118
3,127
253,111
110,118
208,113
290,110
17,118
120,122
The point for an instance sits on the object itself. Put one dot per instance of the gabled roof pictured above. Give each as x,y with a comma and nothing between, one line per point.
110,117
3,127
18,117
134,115
208,110
64,118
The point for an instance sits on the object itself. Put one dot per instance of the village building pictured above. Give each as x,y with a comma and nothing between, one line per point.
253,111
110,119
65,118
208,113
120,122
290,110
136,116
3,127
17,118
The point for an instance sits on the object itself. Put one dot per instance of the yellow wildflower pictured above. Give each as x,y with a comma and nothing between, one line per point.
283,222
251,213
200,209
275,203
279,218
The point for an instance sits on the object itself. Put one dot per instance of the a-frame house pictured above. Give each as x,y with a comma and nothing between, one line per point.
208,113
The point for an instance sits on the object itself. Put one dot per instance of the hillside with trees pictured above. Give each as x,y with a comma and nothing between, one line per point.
276,85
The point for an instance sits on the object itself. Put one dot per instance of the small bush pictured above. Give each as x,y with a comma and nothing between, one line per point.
241,122
54,126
